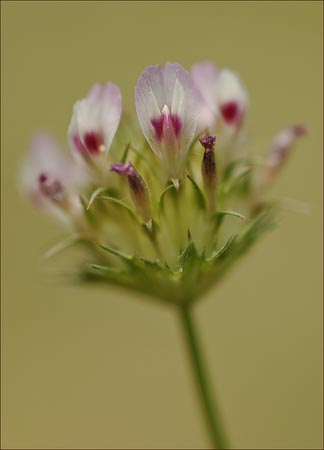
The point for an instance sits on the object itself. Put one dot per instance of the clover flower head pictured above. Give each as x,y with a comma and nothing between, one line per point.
175,208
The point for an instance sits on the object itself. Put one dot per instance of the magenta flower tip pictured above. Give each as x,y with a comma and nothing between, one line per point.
299,130
208,142
231,112
42,178
124,170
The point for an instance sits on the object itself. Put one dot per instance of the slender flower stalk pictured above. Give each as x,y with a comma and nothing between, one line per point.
176,221
214,421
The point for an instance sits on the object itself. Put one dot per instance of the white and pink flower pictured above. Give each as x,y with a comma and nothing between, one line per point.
222,96
95,121
49,178
166,104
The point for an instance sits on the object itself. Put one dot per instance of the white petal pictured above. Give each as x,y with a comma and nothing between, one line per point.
183,101
111,109
150,100
73,127
99,112
171,86
94,93
88,116
205,77
230,88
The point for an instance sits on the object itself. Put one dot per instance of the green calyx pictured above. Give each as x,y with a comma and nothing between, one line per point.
187,246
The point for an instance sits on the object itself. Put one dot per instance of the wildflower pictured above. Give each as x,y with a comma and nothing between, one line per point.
182,237
50,179
184,220
166,104
95,121
222,95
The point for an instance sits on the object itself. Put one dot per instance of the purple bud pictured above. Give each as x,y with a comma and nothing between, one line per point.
137,188
282,145
208,142
208,169
280,150
124,170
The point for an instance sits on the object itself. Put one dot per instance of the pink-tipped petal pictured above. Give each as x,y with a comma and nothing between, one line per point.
95,120
94,93
232,98
124,170
110,113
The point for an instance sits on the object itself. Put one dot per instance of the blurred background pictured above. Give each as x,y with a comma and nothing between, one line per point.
87,367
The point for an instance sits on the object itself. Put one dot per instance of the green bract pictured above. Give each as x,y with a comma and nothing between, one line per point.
184,249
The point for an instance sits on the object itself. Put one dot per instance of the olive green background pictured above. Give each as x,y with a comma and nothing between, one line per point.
94,368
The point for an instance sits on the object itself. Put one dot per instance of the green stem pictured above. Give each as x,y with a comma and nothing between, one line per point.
212,415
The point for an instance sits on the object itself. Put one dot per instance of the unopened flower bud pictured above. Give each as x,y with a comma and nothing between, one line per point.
137,188
208,169
282,144
280,150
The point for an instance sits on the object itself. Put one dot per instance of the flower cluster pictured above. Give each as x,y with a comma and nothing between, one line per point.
171,221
